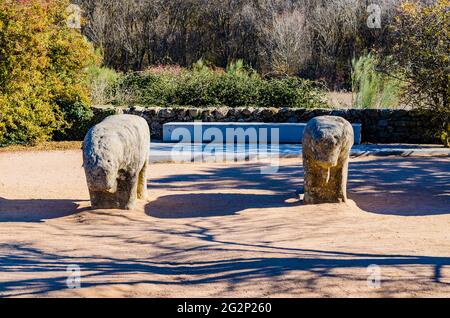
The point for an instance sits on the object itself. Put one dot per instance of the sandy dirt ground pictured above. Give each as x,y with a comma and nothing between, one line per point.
225,230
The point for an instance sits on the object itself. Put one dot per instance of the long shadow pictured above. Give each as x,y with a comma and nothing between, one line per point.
401,186
287,179
37,210
410,186
283,184
210,204
395,186
21,259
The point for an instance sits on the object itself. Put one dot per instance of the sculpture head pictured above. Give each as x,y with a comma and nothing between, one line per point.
101,153
326,149
102,178
326,138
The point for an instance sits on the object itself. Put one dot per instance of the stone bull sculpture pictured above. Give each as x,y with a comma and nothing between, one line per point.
327,141
115,155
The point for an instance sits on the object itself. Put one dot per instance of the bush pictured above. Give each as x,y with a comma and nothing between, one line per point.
21,123
373,89
193,88
42,65
80,118
201,86
234,89
101,83
144,88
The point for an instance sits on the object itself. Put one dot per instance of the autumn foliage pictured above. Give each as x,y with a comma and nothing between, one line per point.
42,78
420,56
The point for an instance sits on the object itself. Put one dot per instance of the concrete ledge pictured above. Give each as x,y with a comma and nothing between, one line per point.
162,152
288,133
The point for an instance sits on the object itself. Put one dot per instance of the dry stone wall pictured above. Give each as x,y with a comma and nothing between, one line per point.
378,125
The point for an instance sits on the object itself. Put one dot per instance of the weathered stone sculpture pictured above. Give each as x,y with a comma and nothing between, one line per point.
115,155
327,141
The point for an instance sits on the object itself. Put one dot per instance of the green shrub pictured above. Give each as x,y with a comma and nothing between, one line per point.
201,86
234,89
144,88
195,88
42,65
79,116
291,92
21,123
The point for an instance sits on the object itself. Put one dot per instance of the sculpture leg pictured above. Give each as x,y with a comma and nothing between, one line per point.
103,200
142,183
344,180
312,184
127,191
324,185
132,196
334,193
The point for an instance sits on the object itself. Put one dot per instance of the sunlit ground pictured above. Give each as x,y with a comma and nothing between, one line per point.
224,229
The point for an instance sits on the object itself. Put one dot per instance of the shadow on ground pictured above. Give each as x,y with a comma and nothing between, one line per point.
401,186
391,185
210,204
37,210
283,184
246,176
50,270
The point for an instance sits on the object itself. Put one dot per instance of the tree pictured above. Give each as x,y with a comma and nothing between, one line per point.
286,42
42,77
420,56
312,38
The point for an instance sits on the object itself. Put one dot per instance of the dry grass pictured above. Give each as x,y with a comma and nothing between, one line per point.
45,146
340,99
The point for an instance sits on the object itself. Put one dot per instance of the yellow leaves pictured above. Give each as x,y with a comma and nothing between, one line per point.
421,51
443,5
45,64
415,8
440,9
409,8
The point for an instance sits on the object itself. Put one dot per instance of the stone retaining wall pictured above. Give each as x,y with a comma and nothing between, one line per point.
378,126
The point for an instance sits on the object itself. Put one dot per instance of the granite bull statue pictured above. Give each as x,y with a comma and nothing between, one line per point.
327,141
115,156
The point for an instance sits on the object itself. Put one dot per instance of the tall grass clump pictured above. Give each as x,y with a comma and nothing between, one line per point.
101,82
373,89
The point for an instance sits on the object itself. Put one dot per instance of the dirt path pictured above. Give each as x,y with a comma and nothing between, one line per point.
225,230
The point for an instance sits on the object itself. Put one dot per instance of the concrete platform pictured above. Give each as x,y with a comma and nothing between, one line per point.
172,152
286,133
